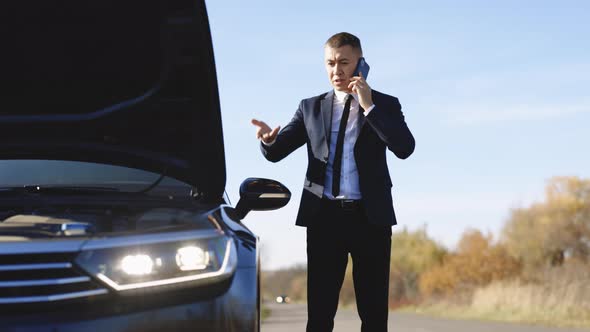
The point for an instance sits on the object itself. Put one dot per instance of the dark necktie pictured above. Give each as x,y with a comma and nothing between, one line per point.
337,166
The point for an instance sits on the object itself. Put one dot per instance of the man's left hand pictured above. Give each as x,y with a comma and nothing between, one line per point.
359,86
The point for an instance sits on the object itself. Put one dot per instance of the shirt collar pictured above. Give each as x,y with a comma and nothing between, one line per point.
341,95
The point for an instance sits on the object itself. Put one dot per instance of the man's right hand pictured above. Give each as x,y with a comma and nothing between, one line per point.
264,133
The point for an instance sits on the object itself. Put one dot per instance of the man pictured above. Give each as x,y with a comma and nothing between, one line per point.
346,203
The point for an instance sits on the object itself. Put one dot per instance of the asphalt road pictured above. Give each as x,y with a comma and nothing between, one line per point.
292,318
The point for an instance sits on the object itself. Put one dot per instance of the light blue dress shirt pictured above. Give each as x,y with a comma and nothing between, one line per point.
349,178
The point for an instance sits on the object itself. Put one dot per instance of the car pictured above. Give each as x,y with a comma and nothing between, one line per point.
113,210
283,299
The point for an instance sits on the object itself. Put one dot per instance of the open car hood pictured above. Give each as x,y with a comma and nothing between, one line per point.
129,83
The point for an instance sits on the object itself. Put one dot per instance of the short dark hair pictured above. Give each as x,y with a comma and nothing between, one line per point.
344,38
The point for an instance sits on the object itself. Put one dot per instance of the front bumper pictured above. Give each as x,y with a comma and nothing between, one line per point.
231,306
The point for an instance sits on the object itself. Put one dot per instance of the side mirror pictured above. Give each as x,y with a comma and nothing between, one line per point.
261,194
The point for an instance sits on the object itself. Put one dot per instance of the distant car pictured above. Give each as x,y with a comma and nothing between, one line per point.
112,174
284,299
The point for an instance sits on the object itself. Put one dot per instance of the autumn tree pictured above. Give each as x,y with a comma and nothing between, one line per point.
412,253
476,262
544,233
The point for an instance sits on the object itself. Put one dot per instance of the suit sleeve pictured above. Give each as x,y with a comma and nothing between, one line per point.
289,139
388,122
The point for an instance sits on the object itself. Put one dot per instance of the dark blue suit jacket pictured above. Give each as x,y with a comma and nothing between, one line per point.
383,128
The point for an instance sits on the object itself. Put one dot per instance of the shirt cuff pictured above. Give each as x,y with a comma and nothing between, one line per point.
366,112
269,144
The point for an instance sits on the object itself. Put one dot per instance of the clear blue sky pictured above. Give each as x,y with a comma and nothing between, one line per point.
496,94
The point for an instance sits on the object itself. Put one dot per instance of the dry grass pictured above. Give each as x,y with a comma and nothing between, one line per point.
264,313
556,296
562,303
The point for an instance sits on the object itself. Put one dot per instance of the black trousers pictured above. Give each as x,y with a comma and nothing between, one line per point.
330,239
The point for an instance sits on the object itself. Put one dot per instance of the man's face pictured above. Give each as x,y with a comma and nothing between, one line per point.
340,64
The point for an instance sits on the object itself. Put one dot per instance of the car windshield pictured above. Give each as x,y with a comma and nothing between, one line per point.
18,173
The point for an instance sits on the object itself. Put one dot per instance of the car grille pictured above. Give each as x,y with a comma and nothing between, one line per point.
38,278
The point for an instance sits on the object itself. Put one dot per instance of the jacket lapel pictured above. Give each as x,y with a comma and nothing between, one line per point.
326,109
361,123
361,118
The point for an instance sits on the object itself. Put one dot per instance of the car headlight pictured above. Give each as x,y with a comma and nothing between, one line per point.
152,260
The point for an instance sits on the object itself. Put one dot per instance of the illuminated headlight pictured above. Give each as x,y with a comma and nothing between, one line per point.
148,261
137,265
192,258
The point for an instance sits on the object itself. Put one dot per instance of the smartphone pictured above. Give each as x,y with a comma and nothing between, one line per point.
363,67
